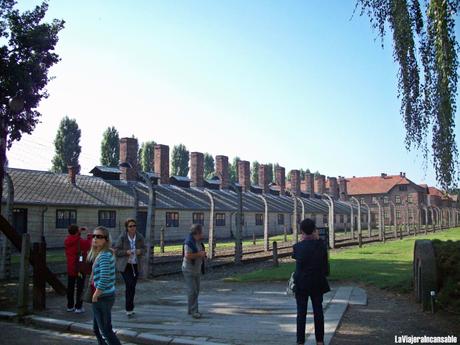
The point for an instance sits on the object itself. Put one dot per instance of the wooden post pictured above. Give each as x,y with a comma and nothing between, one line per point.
285,233
162,239
275,254
253,237
39,287
23,293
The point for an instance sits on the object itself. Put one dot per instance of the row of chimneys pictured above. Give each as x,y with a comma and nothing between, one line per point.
314,184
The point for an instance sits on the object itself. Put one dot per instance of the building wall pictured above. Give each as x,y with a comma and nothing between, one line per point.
89,217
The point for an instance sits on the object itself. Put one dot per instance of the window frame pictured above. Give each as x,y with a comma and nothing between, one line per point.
107,222
220,219
60,224
280,218
171,222
198,218
259,219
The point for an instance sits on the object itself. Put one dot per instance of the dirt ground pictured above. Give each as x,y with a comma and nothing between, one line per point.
388,314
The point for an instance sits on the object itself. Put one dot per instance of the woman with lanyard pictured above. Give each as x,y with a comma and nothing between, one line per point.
129,249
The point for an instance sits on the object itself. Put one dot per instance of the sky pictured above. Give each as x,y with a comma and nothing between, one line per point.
302,83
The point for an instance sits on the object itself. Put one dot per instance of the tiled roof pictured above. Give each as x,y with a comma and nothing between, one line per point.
47,188
375,184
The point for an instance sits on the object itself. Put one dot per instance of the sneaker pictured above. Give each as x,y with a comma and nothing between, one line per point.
70,310
196,315
79,310
130,313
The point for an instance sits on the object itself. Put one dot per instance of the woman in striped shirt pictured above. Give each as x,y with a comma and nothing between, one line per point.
104,286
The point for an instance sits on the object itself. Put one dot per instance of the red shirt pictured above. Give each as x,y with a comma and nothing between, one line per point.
71,251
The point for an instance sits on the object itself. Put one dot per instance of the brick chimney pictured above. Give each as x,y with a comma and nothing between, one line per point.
197,169
280,179
128,154
222,171
295,182
244,175
161,162
73,171
320,184
263,177
343,188
310,183
333,187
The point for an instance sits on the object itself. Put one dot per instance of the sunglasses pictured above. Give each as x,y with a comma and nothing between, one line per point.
100,237
132,226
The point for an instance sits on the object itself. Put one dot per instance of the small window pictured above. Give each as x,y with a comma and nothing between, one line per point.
65,217
280,219
403,188
397,199
398,214
220,219
198,218
410,199
386,215
374,200
385,200
172,219
325,219
362,201
107,219
259,219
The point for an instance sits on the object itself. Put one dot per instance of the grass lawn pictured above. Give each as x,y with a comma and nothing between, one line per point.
385,265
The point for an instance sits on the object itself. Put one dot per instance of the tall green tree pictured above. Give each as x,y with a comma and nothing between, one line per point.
425,48
110,147
234,170
255,172
179,160
270,172
147,156
209,167
26,54
67,145
302,174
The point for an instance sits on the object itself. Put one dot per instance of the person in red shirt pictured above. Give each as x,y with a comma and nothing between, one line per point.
73,277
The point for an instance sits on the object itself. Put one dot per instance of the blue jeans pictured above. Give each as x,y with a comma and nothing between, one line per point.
102,323
318,316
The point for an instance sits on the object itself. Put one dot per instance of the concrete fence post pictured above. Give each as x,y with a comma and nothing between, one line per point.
162,239
275,254
39,282
23,291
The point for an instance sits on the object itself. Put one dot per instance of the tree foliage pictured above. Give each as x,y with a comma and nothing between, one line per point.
26,55
425,49
110,147
209,167
255,172
234,170
179,160
147,156
270,174
67,145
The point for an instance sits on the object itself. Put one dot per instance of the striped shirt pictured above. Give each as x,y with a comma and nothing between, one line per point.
104,273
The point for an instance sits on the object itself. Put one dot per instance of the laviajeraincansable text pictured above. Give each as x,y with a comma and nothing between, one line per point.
410,339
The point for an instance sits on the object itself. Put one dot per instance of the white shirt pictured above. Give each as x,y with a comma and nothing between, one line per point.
132,243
